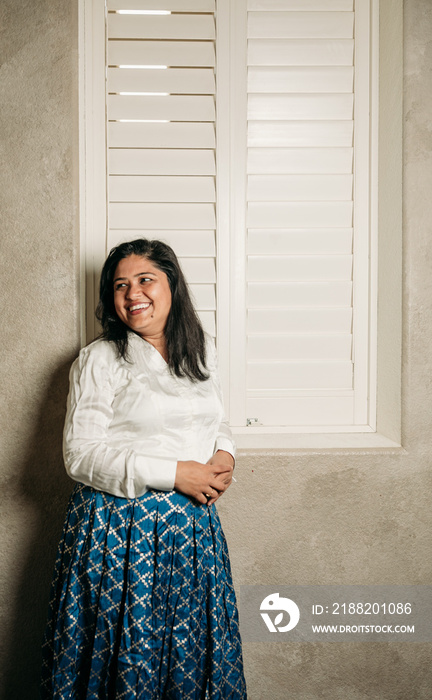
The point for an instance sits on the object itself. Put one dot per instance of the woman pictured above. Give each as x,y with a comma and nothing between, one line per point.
143,604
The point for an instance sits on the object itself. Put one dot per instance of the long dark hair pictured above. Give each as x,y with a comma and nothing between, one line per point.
183,331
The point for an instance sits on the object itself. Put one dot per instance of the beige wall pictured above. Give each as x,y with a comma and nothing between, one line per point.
39,326
314,518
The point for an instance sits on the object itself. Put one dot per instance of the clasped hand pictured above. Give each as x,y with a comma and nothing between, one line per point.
205,482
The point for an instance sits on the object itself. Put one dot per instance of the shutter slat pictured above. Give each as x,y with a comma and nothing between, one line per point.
166,53
285,294
299,267
172,135
172,5
304,79
300,25
208,321
184,243
302,410
300,241
193,81
301,52
306,320
299,214
273,188
299,375
304,5
178,216
180,108
161,162
204,296
297,160
297,346
297,133
306,106
160,26
199,270
142,188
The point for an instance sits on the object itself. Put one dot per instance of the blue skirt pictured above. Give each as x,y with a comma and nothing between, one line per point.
142,604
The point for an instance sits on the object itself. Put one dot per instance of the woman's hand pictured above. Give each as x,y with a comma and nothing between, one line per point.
222,458
204,482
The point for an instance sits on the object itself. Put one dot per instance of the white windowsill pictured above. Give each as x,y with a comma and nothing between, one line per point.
248,441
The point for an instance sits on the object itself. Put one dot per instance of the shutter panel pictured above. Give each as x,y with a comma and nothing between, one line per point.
295,215
161,134
168,5
301,199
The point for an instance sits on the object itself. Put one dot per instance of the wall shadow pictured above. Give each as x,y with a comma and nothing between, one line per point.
43,491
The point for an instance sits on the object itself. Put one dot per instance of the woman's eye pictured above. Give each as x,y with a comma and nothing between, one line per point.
145,279
119,286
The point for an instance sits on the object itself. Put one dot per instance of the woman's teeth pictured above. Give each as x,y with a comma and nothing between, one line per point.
135,307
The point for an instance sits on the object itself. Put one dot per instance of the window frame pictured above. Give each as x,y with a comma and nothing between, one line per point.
386,279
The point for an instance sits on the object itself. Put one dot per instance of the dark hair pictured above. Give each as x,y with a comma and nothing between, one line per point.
183,331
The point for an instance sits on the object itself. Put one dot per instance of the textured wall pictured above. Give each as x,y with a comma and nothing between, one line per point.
305,519
39,326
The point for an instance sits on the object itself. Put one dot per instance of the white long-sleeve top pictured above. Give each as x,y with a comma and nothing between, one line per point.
129,423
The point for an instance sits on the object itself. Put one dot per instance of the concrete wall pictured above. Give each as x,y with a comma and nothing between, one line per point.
335,518
39,326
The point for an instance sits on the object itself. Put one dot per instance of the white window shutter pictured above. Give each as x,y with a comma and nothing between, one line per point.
161,134
307,134
264,187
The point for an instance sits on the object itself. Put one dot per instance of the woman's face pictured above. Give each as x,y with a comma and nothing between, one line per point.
142,296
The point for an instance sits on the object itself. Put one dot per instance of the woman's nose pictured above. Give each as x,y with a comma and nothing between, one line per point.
133,291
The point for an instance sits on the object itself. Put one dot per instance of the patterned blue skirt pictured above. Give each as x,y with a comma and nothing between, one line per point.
142,604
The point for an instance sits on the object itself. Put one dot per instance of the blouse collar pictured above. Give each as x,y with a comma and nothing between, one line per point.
141,347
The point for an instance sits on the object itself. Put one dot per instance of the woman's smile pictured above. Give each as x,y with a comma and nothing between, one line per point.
136,308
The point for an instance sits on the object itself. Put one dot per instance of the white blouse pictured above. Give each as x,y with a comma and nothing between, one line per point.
129,423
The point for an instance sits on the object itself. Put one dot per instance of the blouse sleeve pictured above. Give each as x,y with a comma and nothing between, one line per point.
87,456
224,439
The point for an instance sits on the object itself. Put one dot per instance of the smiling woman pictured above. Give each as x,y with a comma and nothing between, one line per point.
143,604
182,336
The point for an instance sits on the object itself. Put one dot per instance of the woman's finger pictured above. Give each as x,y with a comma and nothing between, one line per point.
220,468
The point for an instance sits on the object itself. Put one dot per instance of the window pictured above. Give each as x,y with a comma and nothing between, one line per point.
245,134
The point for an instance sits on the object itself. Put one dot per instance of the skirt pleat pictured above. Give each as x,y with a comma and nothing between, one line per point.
142,605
